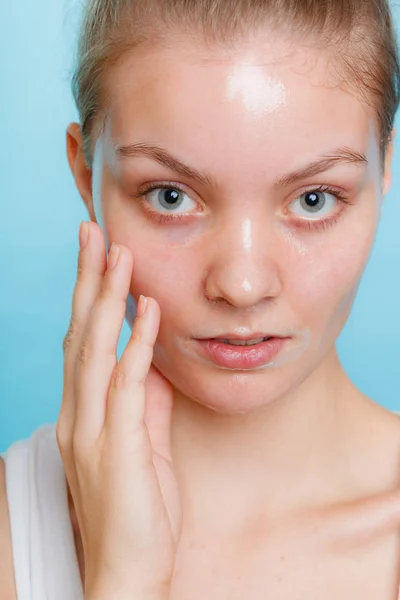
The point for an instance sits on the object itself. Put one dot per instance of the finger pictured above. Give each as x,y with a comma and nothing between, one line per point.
91,268
98,350
127,393
158,412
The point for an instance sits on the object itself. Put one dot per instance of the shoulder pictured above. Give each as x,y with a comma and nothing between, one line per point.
377,448
7,583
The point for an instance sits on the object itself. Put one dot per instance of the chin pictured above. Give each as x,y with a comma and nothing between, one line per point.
226,391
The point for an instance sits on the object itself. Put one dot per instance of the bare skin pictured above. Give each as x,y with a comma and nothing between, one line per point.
353,550
281,558
290,478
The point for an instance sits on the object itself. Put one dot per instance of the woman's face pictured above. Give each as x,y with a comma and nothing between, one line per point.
273,238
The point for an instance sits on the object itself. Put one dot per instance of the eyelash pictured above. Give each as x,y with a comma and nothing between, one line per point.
311,225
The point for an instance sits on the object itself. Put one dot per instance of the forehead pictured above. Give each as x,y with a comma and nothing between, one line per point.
271,99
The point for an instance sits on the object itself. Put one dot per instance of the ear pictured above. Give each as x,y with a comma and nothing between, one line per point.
387,175
79,169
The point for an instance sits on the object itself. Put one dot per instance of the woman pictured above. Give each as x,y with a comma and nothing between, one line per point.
237,155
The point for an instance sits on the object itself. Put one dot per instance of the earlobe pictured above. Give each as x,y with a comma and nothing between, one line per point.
76,160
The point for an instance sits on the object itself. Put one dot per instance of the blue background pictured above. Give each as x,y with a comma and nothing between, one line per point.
40,215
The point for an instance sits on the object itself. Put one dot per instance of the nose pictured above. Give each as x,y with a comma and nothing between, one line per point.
242,268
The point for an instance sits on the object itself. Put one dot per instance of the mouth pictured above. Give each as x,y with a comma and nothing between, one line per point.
242,342
242,353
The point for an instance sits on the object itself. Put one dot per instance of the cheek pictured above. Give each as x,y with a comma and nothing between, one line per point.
164,272
172,280
326,277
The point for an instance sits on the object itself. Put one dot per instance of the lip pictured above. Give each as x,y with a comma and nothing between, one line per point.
240,357
242,338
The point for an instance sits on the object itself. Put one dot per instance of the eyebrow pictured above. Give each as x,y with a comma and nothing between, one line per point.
328,161
164,158
322,164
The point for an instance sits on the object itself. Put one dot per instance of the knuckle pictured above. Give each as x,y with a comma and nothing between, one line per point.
81,269
119,378
71,334
135,337
148,347
106,293
85,352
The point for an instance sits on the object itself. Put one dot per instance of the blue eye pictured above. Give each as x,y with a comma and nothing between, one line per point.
167,199
315,204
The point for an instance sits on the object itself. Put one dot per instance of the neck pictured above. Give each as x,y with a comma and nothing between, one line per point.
274,460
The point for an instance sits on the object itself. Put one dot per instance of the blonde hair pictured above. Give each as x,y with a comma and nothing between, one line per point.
360,32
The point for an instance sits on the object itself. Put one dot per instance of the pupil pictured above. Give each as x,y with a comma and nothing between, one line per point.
312,199
171,196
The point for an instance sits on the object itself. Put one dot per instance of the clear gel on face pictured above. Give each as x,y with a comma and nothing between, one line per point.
259,93
97,176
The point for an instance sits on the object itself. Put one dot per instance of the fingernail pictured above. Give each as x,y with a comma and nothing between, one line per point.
83,235
113,256
142,305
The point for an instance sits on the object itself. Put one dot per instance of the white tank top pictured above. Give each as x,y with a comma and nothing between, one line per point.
45,562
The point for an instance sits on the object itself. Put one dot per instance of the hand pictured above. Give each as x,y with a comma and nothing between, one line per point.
113,433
